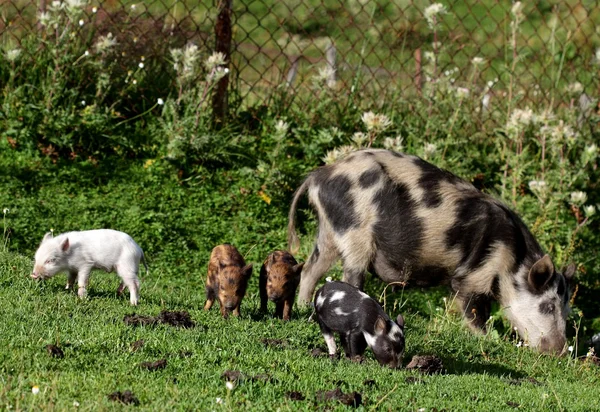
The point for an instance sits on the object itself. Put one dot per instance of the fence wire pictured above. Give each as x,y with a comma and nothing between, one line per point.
492,49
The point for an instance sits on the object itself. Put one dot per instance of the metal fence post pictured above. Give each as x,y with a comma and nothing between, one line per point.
223,45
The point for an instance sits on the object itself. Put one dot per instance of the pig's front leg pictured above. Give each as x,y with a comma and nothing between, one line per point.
82,281
71,277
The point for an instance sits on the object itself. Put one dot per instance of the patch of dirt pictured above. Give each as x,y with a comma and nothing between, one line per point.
357,359
317,352
55,351
178,319
137,345
139,320
429,364
154,366
349,399
411,380
262,377
295,396
370,382
232,376
278,343
126,397
513,404
518,382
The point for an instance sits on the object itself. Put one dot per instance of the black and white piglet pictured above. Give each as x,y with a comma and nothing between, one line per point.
360,322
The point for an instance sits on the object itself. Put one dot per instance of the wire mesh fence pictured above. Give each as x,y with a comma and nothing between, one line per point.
544,52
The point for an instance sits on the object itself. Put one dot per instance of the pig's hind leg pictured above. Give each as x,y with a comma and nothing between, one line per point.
128,275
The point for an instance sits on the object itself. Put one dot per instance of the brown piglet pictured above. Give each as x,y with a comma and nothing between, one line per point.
227,279
279,278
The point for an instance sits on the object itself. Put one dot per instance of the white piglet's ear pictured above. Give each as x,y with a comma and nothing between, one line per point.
541,273
64,245
47,236
400,321
380,325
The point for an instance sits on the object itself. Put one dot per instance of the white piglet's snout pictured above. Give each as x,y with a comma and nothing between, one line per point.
78,253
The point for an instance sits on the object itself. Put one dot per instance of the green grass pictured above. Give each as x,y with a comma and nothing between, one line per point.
177,221
482,373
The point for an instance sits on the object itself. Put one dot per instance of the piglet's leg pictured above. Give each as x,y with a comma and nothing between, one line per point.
287,308
131,281
82,281
329,339
356,344
71,277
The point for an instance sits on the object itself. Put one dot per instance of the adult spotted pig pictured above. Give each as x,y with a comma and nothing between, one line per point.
408,221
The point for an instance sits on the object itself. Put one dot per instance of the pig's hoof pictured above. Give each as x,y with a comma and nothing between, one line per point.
333,357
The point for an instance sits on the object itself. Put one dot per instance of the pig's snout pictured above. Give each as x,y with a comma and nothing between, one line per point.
554,346
275,296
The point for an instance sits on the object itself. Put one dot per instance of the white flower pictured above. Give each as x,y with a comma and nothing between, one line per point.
215,59
160,101
394,143
76,404
477,61
86,53
518,345
590,210
429,55
74,4
328,279
44,18
432,12
517,9
5,211
281,128
81,22
578,198
35,390
575,88
359,138
230,385
515,328
217,74
375,122
521,119
12,55
133,7
94,9
429,149
326,74
462,92
591,150
105,43
141,65
570,349
83,102
537,185
219,401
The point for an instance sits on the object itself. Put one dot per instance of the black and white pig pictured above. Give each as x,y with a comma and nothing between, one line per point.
77,253
408,221
360,322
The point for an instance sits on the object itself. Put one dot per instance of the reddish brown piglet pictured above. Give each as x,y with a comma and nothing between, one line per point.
279,278
227,279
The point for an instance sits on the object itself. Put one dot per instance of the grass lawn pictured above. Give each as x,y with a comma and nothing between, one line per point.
177,223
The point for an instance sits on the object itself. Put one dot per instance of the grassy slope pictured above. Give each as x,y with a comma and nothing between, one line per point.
177,224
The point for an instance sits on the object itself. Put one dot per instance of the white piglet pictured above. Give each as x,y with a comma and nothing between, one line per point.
77,253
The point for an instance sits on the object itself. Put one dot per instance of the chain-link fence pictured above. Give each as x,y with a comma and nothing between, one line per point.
492,49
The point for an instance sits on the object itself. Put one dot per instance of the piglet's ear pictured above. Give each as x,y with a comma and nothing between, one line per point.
47,236
297,269
400,321
569,272
380,325
64,246
269,262
247,271
541,273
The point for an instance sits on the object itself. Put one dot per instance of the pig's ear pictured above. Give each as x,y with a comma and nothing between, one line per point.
64,245
247,271
541,273
400,321
47,236
569,272
269,262
380,326
297,269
